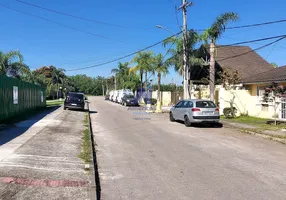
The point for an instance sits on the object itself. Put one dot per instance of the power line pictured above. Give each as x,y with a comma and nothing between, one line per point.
123,26
63,25
258,43
252,41
271,51
126,56
148,47
250,25
77,17
256,49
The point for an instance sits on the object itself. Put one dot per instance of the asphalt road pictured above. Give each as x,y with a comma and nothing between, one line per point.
42,162
147,157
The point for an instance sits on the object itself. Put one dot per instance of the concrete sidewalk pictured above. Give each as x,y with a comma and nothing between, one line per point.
43,163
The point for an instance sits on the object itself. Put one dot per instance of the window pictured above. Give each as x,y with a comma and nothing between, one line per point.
260,94
179,104
205,104
190,105
185,104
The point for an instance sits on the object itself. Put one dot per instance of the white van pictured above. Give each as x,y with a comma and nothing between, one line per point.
115,95
111,95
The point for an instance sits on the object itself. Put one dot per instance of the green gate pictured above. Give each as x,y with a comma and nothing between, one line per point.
18,96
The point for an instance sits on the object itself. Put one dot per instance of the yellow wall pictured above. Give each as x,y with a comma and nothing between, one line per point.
166,97
246,101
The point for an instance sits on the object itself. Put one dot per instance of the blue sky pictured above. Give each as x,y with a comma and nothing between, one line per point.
44,43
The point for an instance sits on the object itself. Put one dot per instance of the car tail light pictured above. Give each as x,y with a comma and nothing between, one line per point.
196,109
217,109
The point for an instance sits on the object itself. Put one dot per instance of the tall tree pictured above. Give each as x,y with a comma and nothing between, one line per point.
35,78
58,76
120,73
144,61
160,68
212,34
11,64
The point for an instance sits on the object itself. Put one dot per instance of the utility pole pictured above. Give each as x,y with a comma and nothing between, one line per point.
185,41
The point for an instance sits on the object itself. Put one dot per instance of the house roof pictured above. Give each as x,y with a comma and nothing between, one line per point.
274,75
243,59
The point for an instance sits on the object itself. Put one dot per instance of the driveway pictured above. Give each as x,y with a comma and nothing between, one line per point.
42,162
148,157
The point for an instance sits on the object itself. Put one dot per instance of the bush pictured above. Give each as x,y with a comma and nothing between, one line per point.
230,112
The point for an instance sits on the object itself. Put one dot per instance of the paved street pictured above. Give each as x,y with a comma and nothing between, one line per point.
42,162
157,159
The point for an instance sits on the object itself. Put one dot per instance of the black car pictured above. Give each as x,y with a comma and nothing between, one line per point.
74,100
129,100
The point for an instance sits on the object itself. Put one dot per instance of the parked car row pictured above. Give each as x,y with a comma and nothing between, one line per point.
124,97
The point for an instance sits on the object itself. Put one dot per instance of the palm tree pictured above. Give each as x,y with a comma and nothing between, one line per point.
35,78
144,61
212,34
176,58
120,73
58,76
11,64
161,68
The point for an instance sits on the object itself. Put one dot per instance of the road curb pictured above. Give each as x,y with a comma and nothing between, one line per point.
265,136
95,178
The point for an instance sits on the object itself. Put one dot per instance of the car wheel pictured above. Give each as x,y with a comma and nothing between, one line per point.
65,108
172,119
187,121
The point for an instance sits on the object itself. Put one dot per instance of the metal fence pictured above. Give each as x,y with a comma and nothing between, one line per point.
17,97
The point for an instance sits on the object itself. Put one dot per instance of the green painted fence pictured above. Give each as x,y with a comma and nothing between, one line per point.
17,97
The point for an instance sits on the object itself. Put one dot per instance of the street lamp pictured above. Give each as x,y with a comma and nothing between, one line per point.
162,27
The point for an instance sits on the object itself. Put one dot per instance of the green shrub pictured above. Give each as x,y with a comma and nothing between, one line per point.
230,112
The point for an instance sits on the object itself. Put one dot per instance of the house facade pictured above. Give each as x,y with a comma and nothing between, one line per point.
257,84
255,75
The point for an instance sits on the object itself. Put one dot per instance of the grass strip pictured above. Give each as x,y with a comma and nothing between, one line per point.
85,153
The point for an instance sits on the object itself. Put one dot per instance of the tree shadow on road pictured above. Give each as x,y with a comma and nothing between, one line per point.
13,130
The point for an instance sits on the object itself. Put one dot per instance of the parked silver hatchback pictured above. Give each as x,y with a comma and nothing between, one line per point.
195,111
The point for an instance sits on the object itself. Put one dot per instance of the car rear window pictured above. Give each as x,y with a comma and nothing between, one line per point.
75,96
129,96
205,104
